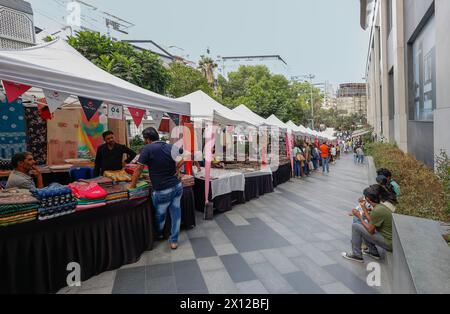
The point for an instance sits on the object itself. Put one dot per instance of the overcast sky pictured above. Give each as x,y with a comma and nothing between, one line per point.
322,37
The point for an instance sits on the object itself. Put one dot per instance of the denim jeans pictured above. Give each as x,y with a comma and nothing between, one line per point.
360,235
326,164
169,199
361,159
306,167
315,163
297,171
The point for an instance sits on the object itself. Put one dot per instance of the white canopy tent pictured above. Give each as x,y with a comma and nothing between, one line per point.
273,120
296,129
249,115
57,66
204,107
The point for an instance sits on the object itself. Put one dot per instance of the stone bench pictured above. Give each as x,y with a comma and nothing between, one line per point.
421,258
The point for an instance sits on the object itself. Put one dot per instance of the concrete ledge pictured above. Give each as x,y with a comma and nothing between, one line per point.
372,171
421,258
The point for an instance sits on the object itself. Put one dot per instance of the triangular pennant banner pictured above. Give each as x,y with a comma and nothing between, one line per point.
14,90
90,106
137,115
175,118
55,99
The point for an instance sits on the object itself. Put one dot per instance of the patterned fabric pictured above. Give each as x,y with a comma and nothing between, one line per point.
16,197
12,129
62,136
55,201
36,135
90,134
17,206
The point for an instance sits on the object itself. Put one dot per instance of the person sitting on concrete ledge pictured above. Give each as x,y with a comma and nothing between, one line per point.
392,185
376,231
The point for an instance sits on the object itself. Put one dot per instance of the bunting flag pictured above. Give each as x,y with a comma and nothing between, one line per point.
90,106
175,118
137,115
14,90
55,99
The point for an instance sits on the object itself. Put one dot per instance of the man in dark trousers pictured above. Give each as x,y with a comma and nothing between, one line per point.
110,155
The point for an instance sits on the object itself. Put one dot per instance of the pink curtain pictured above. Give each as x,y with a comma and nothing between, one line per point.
289,149
210,134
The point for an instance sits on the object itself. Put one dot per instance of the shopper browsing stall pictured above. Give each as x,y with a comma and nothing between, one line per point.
24,172
110,155
160,158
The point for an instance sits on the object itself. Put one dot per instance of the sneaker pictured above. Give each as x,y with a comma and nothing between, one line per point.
374,256
352,257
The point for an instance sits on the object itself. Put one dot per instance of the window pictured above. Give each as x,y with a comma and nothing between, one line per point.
390,16
391,95
424,73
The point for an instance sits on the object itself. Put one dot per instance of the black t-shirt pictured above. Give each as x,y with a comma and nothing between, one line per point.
111,160
160,159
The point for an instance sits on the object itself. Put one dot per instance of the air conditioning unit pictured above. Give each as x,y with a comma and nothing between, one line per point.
16,24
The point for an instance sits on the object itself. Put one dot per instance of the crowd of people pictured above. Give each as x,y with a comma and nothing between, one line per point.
310,157
372,218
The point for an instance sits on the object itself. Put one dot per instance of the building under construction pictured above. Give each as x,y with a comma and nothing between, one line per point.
352,98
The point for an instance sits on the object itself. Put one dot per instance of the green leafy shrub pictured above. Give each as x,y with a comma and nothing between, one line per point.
443,173
423,193
137,144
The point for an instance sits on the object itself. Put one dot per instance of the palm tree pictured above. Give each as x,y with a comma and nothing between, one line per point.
207,66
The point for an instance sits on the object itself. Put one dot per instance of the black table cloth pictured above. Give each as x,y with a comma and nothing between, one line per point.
34,256
258,186
282,175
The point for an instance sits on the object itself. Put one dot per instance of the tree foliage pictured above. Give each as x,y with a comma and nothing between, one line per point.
141,68
267,94
186,80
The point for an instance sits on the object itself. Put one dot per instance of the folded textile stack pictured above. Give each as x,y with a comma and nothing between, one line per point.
88,195
118,176
187,180
5,164
17,206
54,201
116,193
101,181
142,190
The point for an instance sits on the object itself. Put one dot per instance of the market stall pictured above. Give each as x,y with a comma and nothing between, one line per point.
53,105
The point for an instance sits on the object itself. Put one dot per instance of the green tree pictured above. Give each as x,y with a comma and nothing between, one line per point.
207,66
141,68
186,80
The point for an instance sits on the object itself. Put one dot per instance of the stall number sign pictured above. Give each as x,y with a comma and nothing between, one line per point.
115,112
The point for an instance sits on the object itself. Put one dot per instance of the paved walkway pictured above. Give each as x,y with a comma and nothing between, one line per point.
289,241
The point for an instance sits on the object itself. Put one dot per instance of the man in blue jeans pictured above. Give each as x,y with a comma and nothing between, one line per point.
160,158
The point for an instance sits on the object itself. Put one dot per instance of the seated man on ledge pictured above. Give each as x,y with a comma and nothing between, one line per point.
376,231
24,171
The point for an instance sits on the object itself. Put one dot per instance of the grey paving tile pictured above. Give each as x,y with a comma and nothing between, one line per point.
237,219
219,282
104,280
203,248
225,249
318,274
104,290
210,263
161,270
248,238
251,287
130,281
197,232
336,288
161,285
182,254
349,279
316,255
254,257
272,280
290,251
324,246
302,283
281,263
188,277
238,268
324,236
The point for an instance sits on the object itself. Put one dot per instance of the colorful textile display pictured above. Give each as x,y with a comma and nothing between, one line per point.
62,136
55,200
12,129
116,193
90,134
118,176
142,190
101,181
88,195
36,132
17,206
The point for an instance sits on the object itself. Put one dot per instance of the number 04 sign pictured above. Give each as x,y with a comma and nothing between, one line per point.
115,112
